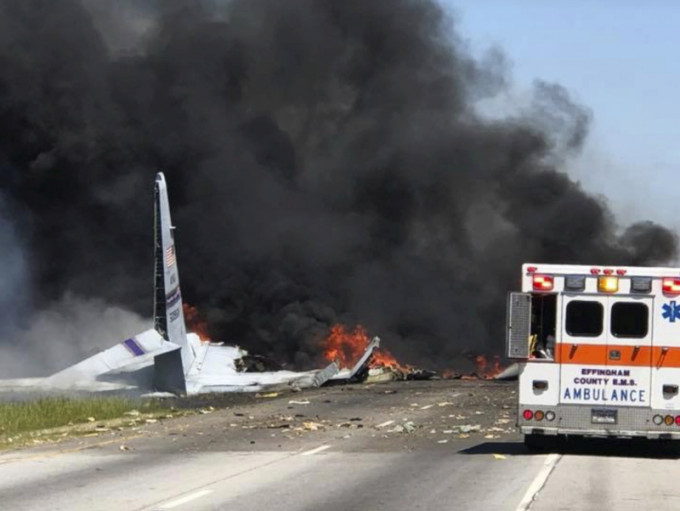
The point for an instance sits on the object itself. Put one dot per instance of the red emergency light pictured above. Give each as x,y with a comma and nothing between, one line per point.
671,285
543,282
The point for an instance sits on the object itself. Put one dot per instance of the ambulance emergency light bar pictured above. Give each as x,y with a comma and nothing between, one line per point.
607,283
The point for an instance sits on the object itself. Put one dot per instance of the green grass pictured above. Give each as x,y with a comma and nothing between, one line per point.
22,417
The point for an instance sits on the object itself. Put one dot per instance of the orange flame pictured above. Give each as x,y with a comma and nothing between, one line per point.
346,347
195,322
486,369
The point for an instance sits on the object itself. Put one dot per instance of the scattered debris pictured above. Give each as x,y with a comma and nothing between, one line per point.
499,457
509,373
298,402
268,394
123,447
312,426
383,424
380,375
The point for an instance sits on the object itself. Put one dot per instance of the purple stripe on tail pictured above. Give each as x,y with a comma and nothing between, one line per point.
133,347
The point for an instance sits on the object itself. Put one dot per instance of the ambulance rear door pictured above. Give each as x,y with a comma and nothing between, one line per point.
582,350
629,350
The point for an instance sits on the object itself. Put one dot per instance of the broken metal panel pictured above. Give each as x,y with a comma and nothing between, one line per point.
169,372
360,370
325,374
518,325
509,373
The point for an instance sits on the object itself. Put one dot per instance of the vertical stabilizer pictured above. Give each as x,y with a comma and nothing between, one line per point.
168,314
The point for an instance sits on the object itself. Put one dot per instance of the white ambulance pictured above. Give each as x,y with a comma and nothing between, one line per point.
599,349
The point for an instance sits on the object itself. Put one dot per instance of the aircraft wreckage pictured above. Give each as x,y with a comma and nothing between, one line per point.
167,358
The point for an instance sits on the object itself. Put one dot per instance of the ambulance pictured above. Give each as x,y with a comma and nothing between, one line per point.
598,350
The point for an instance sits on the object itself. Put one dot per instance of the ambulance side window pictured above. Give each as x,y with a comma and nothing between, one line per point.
630,320
584,318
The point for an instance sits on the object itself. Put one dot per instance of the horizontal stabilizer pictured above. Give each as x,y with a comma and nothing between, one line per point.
133,353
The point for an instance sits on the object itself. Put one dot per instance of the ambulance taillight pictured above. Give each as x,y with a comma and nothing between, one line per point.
671,285
543,282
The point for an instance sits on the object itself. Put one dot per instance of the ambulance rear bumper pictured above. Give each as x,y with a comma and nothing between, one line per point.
609,421
651,435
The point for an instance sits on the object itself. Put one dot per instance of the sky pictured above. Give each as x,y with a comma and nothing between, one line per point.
617,57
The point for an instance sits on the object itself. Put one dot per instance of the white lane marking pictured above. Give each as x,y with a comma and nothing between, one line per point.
188,498
538,482
314,451
426,407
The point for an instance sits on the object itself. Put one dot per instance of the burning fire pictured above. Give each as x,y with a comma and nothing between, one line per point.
448,374
195,322
346,347
486,369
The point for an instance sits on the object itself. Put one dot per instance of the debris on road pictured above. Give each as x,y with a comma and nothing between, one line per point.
384,424
312,426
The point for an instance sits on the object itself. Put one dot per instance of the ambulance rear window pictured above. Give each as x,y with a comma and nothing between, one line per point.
630,319
584,318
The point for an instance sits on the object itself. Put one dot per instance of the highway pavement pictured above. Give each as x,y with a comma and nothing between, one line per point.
402,445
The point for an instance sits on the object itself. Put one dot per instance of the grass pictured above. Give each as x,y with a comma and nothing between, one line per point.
19,418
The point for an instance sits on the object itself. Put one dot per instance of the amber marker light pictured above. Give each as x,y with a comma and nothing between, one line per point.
608,284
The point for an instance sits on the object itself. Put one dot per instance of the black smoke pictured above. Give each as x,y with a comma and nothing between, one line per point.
325,164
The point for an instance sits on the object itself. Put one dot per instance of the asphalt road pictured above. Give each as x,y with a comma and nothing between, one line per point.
415,445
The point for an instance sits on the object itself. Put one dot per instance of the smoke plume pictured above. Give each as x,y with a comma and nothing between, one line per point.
325,164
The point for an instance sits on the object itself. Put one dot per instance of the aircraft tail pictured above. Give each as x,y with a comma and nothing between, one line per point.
168,313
